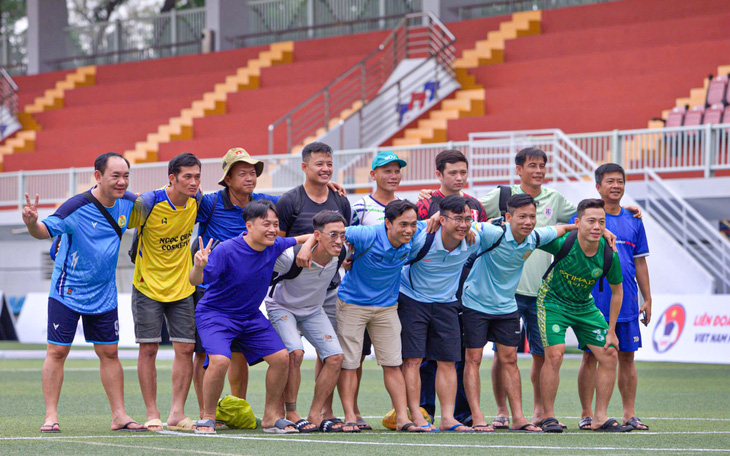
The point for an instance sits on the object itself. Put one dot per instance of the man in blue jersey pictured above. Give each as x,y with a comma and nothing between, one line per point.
238,272
367,298
632,250
84,282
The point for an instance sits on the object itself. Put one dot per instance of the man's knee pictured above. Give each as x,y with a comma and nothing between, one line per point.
334,360
507,356
626,359
412,363
473,357
553,356
148,350
107,352
183,349
278,360
296,358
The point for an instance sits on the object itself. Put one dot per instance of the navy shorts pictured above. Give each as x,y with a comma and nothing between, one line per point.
480,328
430,330
100,329
629,336
255,336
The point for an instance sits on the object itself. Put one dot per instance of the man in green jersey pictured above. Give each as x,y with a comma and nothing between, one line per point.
564,300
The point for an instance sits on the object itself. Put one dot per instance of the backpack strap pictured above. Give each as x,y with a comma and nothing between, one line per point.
607,261
336,278
298,201
343,204
563,252
466,269
292,273
537,239
421,254
90,196
505,191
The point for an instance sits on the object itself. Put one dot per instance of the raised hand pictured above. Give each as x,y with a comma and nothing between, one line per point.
201,256
30,211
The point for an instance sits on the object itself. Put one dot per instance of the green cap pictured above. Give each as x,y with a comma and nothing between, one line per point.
385,157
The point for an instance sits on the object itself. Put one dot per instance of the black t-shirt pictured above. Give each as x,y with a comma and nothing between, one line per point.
296,210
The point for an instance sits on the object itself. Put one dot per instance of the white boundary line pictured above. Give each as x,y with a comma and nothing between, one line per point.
646,418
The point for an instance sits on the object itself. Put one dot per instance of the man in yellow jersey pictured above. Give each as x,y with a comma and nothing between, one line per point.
161,289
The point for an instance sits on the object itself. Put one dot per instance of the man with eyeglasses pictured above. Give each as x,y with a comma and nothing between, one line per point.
429,309
294,305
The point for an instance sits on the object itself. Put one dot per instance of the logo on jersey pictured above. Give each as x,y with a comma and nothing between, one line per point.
122,221
596,273
56,325
548,211
116,327
527,255
74,260
94,224
164,220
669,328
556,328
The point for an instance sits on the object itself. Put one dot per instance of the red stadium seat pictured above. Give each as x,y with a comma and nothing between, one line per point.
726,115
713,114
694,116
675,118
716,92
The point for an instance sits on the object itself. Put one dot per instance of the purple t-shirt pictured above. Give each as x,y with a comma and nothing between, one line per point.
238,276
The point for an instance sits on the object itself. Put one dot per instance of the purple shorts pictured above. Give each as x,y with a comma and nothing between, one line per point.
254,334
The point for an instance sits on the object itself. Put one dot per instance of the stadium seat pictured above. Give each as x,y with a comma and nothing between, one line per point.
694,117
676,117
713,114
726,115
717,90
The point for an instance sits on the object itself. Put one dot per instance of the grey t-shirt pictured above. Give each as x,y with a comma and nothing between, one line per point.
305,294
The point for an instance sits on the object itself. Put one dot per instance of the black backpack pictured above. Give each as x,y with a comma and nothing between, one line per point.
299,196
565,249
295,270
505,191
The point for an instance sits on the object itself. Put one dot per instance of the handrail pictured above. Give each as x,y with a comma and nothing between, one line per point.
59,62
690,228
513,6
236,40
361,82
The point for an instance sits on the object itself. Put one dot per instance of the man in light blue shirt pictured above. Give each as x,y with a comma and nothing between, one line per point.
429,310
490,309
367,297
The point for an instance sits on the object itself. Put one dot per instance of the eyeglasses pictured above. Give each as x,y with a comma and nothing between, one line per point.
334,234
460,220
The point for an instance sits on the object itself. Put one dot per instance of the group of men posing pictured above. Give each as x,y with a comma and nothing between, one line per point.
428,294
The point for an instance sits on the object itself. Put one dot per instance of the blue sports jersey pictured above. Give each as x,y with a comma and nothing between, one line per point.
631,243
84,272
238,276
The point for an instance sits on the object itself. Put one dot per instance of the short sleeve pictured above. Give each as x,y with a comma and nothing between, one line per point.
216,266
614,275
488,234
205,208
273,198
490,203
642,246
419,240
142,207
284,261
56,225
361,237
422,208
358,212
285,207
547,234
566,209
283,243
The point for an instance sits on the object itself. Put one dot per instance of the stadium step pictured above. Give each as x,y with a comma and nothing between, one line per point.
211,103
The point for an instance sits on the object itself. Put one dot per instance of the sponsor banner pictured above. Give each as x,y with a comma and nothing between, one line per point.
687,328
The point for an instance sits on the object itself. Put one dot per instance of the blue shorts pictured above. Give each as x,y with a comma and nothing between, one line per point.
629,336
100,328
254,334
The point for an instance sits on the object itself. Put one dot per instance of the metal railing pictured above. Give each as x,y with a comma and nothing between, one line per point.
418,35
504,7
706,244
13,49
702,149
163,35
276,20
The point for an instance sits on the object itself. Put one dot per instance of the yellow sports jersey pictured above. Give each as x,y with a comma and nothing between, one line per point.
163,258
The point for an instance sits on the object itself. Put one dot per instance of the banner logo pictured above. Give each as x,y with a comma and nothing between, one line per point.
669,328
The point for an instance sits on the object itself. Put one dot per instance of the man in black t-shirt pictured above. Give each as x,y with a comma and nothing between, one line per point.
296,209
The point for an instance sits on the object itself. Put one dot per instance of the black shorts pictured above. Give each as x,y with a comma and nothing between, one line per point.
480,328
430,330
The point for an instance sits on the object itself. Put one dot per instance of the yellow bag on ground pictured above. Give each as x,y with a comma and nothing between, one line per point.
235,412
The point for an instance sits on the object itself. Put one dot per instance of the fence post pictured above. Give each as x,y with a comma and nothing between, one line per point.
71,182
615,149
708,149
381,13
310,18
173,31
117,40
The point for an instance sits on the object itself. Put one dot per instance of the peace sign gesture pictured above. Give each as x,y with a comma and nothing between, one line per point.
30,211
201,256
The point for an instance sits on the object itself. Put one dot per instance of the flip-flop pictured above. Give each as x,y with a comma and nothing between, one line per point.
483,428
301,424
363,425
408,426
355,428
154,423
204,424
585,424
524,429
280,427
326,426
428,425
50,429
503,422
635,422
186,424
126,427
612,425
456,426
550,425
539,424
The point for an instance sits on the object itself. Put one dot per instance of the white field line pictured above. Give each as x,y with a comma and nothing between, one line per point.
645,418
142,447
